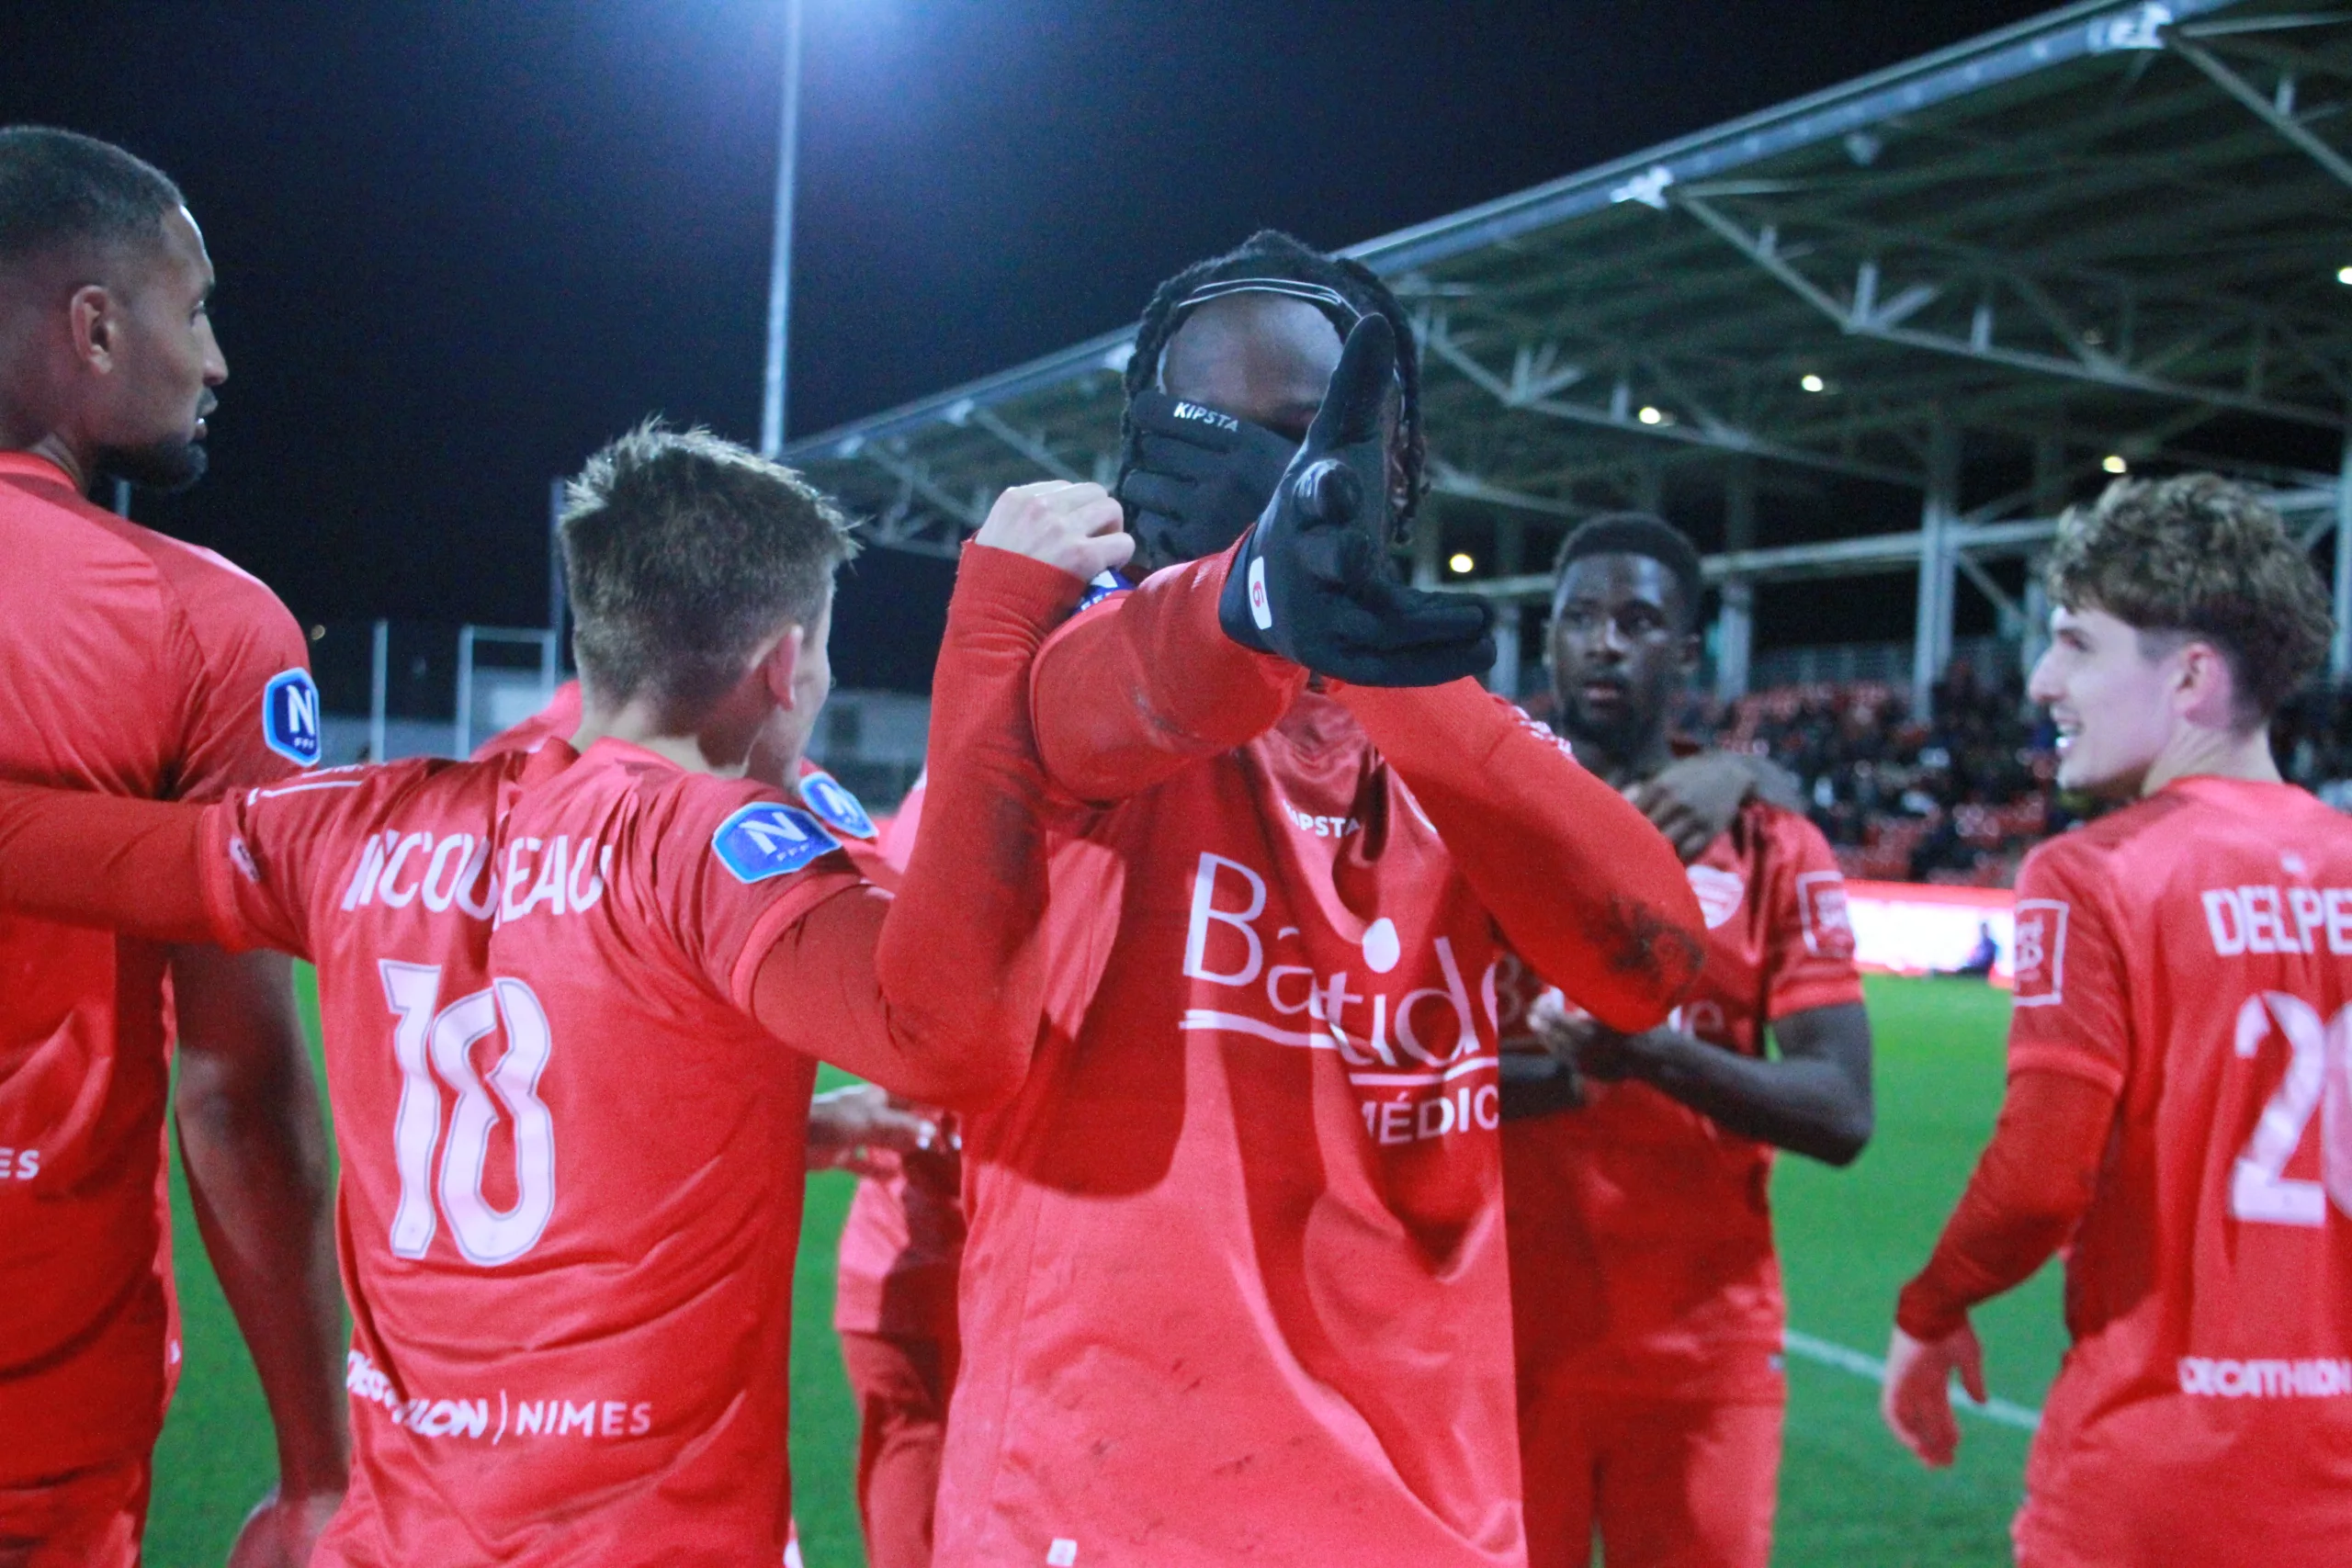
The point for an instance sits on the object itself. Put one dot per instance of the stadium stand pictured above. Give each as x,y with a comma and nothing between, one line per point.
1960,798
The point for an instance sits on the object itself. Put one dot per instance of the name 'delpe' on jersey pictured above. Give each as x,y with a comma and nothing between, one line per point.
454,871
2278,919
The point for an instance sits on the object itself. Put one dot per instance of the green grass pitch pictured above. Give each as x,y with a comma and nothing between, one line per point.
1849,1496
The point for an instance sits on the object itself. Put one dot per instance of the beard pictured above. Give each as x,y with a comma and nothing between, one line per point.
1616,733
162,467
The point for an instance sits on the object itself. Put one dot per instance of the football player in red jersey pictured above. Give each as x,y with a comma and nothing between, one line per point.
1647,1296
574,998
895,1283
2180,1056
894,1301
135,665
1235,1285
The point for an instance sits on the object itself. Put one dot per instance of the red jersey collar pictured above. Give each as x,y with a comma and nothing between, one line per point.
32,466
546,760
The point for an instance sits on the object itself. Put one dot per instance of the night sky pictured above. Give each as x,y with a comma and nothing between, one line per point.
461,244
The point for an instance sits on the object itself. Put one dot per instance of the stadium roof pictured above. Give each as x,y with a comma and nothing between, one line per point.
2107,232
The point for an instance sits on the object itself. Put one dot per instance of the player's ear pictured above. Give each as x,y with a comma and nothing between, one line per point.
2205,687
90,321
780,663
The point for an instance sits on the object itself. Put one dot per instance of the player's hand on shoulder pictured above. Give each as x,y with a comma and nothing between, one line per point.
1915,1399
1313,582
282,1532
1077,528
1694,800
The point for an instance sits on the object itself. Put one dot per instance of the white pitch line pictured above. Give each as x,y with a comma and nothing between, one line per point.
1834,1355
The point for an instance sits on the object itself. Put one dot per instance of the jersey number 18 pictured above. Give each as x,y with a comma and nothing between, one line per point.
429,1038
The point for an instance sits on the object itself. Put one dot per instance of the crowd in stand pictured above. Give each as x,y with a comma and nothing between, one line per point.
1961,796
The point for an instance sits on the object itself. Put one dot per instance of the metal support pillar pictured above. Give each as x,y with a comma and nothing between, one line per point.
787,160
2037,620
1736,621
1426,546
378,687
1939,515
2049,500
558,592
463,740
2339,653
1511,559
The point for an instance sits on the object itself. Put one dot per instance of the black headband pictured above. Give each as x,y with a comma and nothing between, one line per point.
1336,307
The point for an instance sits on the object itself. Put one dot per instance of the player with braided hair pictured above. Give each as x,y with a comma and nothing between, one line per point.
1192,482
1234,1285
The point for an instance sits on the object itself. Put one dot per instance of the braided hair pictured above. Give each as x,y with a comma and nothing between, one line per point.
1270,253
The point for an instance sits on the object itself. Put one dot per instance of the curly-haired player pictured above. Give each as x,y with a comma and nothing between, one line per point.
2179,1105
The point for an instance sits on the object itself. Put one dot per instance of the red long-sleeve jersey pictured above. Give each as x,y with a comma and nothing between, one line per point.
131,664
571,1005
2186,964
1234,1288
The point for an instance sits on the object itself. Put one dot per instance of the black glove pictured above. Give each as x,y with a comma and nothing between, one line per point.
1313,583
1200,478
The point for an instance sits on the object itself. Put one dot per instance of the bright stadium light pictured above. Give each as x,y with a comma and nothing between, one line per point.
1812,383
2114,463
1650,415
1459,564
2344,275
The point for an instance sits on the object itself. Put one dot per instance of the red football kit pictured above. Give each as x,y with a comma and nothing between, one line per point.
1234,1288
894,1308
1644,1288
557,993
134,665
900,1248
2189,958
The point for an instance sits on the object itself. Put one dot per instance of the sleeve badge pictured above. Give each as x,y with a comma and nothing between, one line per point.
290,716
770,839
833,804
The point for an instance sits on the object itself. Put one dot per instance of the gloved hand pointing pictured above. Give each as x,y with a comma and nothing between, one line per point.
1312,581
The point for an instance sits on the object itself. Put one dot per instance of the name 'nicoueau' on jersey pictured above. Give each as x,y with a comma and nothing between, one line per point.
571,1004
1235,1287
131,664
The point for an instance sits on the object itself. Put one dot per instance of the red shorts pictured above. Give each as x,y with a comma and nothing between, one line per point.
1669,1483
92,1518
902,1386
